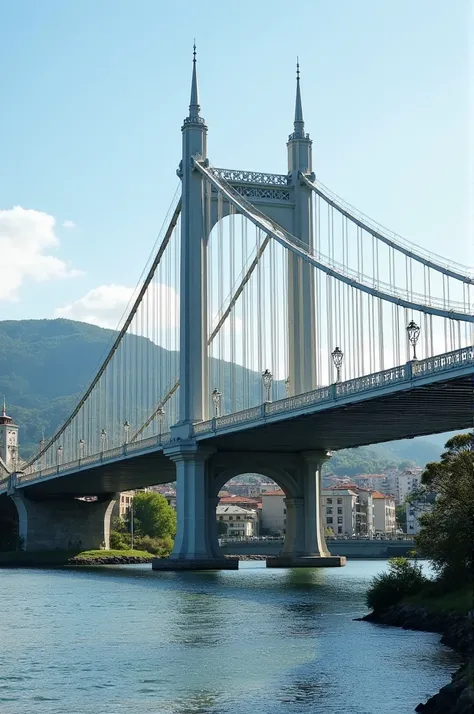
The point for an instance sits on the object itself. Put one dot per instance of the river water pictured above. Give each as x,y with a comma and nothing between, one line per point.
116,640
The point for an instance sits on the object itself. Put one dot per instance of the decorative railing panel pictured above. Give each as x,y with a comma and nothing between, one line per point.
299,401
371,381
447,361
234,176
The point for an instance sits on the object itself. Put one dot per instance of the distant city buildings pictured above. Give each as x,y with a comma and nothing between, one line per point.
240,522
414,511
384,513
273,512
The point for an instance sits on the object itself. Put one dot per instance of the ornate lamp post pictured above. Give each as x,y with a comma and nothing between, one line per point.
103,439
337,357
126,432
413,332
60,455
216,400
82,444
160,412
267,379
287,387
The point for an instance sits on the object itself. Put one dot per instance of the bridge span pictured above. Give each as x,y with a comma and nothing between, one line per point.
302,327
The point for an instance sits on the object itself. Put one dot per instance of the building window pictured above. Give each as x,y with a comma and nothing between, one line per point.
339,519
329,520
237,518
339,511
231,518
329,500
221,518
284,511
339,529
329,510
339,501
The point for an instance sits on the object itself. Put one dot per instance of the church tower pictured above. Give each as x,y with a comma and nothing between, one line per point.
8,441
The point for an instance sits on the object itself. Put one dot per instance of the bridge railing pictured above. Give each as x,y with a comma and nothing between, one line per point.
96,459
447,361
396,375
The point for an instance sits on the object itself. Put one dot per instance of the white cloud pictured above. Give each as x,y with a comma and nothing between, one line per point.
27,239
105,306
69,224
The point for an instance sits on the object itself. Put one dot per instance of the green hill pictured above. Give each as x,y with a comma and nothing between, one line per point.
45,366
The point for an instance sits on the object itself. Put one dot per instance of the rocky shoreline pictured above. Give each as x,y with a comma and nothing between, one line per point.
457,632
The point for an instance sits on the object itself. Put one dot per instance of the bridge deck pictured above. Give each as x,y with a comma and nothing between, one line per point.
412,410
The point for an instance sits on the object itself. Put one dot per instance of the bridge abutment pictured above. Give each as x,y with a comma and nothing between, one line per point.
196,545
63,523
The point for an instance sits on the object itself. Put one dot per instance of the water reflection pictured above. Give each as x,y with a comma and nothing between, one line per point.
256,640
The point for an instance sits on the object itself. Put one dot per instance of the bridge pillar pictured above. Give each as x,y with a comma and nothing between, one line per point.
63,523
195,546
305,542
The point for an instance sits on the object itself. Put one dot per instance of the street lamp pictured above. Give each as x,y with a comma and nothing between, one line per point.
103,437
267,379
82,444
413,332
161,417
337,357
60,455
287,387
126,431
216,400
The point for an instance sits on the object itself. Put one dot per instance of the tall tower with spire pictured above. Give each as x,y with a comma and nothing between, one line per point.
301,294
193,296
8,440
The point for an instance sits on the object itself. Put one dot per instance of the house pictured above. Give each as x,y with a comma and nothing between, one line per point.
239,521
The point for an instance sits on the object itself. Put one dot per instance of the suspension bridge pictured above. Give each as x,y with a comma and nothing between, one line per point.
276,323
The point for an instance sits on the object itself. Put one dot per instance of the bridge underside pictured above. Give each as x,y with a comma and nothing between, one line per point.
443,406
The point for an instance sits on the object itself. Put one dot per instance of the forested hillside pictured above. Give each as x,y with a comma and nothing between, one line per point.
45,366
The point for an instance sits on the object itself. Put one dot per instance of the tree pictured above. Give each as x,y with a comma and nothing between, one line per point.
447,533
221,528
153,516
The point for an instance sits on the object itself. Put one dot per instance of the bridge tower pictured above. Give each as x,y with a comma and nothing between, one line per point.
301,305
196,471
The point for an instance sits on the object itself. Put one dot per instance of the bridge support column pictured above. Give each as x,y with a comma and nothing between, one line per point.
195,546
305,542
64,523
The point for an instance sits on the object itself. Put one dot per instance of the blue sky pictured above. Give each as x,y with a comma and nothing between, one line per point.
94,93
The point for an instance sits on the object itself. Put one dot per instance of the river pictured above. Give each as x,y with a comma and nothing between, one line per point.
115,640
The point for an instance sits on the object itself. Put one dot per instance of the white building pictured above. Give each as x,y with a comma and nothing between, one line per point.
273,512
239,521
413,512
384,513
403,484
339,510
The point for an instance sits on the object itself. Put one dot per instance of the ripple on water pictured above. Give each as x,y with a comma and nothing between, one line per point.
258,641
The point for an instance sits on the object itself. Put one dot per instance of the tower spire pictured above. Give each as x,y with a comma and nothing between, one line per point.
4,410
299,121
194,107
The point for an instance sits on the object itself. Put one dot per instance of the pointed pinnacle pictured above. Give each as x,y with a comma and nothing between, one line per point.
194,107
4,412
299,122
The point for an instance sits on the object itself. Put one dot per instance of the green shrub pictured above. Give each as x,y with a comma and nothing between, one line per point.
161,547
119,541
403,578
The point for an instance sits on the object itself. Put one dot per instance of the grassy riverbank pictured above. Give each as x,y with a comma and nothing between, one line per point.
67,557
